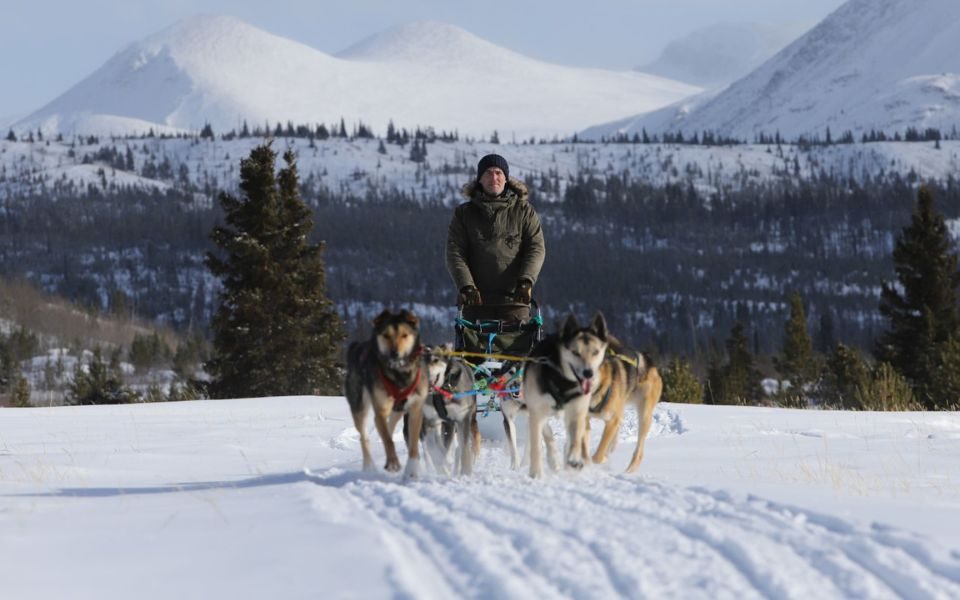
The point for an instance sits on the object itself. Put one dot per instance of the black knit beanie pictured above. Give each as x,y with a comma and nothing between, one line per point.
493,160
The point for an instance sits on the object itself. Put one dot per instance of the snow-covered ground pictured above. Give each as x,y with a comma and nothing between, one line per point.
357,168
211,500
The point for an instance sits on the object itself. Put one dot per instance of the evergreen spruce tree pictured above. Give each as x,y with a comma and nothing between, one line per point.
946,379
796,362
275,332
826,335
98,384
713,390
922,309
741,378
846,373
680,384
8,365
21,393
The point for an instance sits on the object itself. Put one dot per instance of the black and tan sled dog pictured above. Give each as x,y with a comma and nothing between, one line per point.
387,373
625,376
560,378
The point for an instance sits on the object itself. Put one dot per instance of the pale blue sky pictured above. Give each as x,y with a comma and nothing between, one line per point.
49,45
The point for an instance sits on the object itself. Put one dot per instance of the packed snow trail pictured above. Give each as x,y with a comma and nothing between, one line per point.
265,498
599,535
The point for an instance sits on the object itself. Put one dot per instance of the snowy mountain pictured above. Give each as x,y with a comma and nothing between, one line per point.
223,71
872,64
266,497
720,54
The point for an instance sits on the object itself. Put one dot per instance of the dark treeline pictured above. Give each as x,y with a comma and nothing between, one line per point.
96,249
672,269
710,138
401,136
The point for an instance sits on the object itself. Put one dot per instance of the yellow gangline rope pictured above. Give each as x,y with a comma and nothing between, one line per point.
480,355
627,359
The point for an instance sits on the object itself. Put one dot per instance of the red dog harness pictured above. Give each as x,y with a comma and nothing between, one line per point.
400,396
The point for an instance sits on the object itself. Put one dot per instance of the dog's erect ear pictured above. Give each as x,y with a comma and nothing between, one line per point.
570,326
409,318
381,318
447,346
599,326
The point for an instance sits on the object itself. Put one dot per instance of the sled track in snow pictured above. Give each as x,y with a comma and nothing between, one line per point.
598,535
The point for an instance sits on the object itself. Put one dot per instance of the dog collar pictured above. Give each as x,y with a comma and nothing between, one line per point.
399,396
447,394
559,387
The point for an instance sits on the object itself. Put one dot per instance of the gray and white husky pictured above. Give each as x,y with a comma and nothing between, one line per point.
450,413
559,378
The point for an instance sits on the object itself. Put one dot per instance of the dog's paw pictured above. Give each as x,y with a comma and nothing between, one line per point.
412,471
599,460
575,464
393,465
536,473
553,461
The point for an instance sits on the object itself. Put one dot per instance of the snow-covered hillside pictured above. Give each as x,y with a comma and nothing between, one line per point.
222,71
357,166
717,55
872,64
210,499
161,193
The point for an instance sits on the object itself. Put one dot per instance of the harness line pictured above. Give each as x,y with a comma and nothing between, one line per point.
464,354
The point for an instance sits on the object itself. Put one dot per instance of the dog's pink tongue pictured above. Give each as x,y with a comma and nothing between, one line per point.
585,386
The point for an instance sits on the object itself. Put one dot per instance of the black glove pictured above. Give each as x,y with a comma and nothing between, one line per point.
469,296
523,293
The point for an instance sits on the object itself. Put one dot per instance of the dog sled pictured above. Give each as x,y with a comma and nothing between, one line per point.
496,349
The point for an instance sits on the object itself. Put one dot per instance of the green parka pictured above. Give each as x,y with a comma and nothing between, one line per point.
495,241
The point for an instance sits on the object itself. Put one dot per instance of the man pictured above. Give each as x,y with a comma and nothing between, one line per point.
495,245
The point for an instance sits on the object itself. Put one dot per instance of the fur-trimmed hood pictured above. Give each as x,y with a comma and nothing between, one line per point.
513,184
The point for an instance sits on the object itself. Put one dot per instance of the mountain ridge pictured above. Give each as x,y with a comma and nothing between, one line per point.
871,64
717,55
222,71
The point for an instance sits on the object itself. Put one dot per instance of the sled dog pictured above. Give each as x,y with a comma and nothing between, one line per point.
625,376
560,378
511,406
450,412
387,373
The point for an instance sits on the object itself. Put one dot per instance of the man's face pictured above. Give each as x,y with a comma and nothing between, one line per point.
493,181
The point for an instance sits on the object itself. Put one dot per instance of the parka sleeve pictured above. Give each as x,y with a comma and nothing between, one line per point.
534,250
457,241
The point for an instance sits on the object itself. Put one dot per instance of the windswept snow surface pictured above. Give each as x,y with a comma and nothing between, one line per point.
265,498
